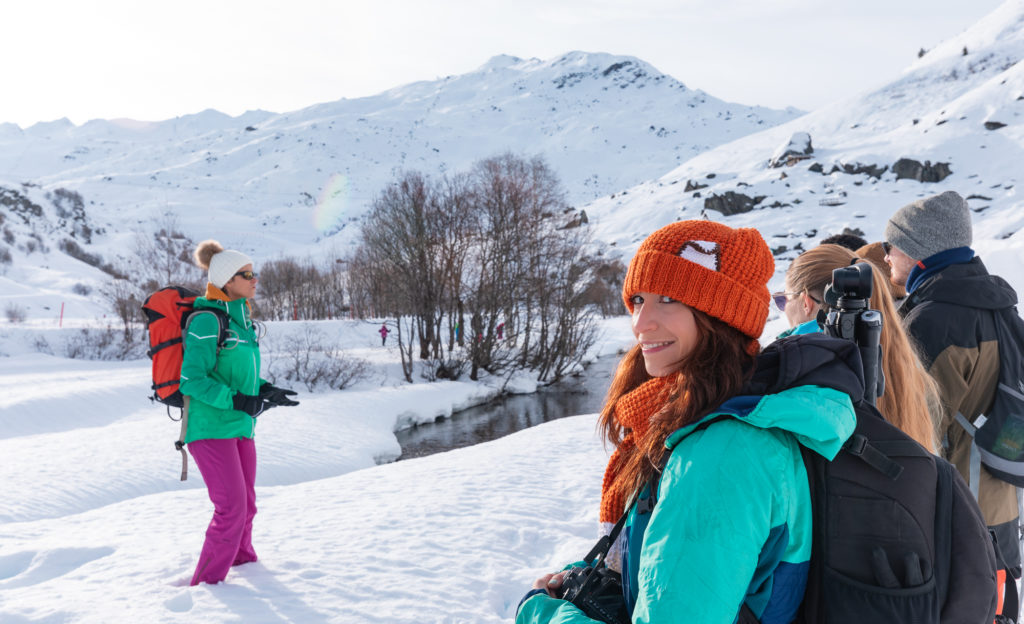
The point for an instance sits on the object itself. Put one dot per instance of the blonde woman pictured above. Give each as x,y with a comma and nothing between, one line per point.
909,390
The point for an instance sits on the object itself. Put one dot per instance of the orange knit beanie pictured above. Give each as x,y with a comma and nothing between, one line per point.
711,267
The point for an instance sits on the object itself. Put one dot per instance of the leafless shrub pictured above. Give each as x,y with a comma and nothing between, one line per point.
101,344
81,289
310,358
15,313
125,299
73,249
41,345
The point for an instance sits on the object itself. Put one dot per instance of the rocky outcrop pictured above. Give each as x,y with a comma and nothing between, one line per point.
793,151
873,171
731,203
577,220
907,168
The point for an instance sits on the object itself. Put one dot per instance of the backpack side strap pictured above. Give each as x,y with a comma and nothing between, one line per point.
180,442
974,472
943,528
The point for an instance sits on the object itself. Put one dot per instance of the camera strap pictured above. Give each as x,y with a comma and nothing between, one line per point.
602,546
644,505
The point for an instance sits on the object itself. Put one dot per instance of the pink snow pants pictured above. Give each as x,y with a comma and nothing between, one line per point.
229,470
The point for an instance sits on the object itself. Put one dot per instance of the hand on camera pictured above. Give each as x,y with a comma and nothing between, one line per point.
277,396
550,582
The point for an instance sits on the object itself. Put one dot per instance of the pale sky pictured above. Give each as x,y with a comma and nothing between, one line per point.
151,61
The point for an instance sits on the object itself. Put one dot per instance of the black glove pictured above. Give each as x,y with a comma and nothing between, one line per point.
277,396
251,405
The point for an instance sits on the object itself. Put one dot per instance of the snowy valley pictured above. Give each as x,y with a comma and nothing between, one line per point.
95,526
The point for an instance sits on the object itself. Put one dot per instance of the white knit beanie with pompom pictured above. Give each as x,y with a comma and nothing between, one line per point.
225,264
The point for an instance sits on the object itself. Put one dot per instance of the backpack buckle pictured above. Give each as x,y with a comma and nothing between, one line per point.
178,445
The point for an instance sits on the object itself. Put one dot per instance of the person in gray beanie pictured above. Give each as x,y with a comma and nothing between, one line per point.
930,226
950,312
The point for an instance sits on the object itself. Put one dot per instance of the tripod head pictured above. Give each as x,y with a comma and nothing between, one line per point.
850,318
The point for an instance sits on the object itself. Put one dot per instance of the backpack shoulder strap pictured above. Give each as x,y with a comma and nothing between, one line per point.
222,324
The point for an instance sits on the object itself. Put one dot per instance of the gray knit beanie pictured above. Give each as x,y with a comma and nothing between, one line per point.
928,226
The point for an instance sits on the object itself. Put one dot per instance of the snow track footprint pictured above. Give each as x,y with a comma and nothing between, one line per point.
180,603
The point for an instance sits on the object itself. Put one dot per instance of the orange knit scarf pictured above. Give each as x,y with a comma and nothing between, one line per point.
633,411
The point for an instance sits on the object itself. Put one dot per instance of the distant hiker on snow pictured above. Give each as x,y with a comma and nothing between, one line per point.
223,396
909,391
950,312
731,526
383,331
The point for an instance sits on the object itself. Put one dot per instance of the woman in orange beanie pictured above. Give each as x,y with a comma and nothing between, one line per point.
707,477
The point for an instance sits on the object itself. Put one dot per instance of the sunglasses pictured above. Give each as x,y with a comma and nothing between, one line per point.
887,247
247,275
781,298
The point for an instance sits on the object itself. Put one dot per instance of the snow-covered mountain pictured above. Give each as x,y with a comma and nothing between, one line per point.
958,111
603,122
290,184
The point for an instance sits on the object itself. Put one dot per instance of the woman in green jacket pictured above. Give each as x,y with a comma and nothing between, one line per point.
730,531
220,378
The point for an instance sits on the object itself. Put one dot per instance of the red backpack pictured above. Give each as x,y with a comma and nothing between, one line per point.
168,312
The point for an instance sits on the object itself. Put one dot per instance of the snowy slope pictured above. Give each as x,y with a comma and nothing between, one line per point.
935,112
456,537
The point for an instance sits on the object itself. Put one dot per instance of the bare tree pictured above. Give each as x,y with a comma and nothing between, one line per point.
164,258
125,298
483,247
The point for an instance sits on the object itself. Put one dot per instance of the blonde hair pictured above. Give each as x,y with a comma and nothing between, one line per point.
911,395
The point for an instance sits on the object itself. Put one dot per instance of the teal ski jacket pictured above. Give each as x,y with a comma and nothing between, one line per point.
211,377
732,522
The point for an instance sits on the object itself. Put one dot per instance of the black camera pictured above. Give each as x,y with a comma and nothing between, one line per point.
597,591
850,318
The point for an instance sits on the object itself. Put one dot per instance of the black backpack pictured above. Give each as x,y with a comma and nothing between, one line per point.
898,537
999,432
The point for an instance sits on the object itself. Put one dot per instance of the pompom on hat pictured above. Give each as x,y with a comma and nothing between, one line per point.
719,270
